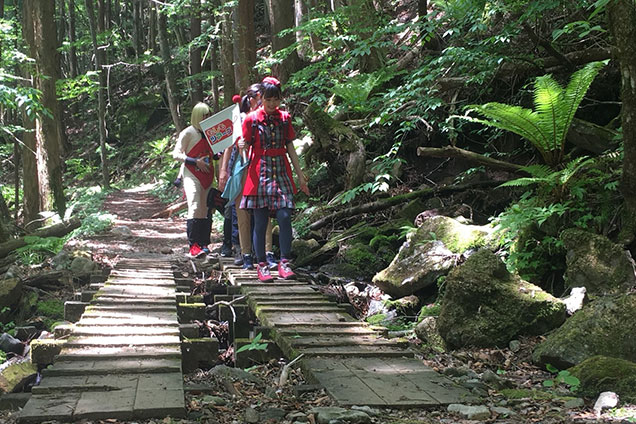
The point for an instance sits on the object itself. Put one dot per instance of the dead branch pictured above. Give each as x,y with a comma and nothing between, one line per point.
396,200
456,152
170,210
57,230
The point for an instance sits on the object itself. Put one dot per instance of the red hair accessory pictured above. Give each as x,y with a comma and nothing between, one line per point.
271,80
236,98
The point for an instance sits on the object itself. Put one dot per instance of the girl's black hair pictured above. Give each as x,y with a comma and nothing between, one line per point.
252,91
269,90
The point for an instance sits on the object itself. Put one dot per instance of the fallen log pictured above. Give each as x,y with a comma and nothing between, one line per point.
456,152
57,230
170,210
45,279
396,200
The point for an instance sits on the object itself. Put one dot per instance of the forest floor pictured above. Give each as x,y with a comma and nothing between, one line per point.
216,401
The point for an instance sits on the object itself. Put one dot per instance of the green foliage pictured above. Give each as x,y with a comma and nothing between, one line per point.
562,377
82,86
255,344
529,229
355,91
547,126
52,311
94,223
430,310
82,169
38,248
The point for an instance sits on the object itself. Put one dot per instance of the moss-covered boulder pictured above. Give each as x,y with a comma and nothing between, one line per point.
484,305
601,373
605,326
596,263
428,253
10,292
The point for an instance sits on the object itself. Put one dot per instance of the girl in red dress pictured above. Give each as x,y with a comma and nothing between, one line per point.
269,188
193,150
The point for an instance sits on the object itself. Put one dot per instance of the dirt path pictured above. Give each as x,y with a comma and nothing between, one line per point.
135,233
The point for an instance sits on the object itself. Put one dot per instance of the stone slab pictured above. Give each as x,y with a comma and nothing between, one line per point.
50,407
107,353
398,382
123,341
113,366
115,404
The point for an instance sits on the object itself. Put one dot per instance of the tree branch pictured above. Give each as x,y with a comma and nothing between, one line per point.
396,200
456,152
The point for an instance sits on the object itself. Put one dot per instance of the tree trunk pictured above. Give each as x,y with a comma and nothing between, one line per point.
214,67
227,56
214,62
281,17
17,159
136,4
195,51
246,43
90,10
171,86
314,10
57,230
152,28
337,145
622,19
42,39
30,186
61,25
72,53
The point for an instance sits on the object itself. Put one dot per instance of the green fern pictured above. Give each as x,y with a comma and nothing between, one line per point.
547,126
556,181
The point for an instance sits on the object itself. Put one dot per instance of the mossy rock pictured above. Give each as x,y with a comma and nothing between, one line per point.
485,306
602,373
596,263
457,237
605,326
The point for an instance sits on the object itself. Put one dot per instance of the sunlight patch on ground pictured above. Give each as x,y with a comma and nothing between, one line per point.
142,188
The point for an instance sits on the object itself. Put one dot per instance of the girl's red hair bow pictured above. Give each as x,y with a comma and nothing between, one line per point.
271,80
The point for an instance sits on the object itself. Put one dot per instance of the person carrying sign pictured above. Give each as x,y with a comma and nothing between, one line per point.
193,149
269,187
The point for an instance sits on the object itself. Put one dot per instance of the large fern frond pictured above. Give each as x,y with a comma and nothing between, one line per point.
575,91
572,167
548,103
516,119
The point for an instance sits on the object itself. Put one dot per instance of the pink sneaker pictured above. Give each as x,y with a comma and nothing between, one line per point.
284,271
263,272
196,251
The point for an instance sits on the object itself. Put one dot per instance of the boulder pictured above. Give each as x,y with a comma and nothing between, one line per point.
596,263
484,305
10,292
605,326
15,373
427,332
81,266
602,373
428,253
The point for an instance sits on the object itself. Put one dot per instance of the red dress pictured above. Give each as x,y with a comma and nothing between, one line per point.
269,183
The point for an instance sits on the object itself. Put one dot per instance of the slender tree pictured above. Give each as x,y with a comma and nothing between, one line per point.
171,85
622,19
72,53
227,54
101,101
214,59
195,51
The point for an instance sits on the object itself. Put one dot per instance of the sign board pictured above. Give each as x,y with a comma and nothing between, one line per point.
223,129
